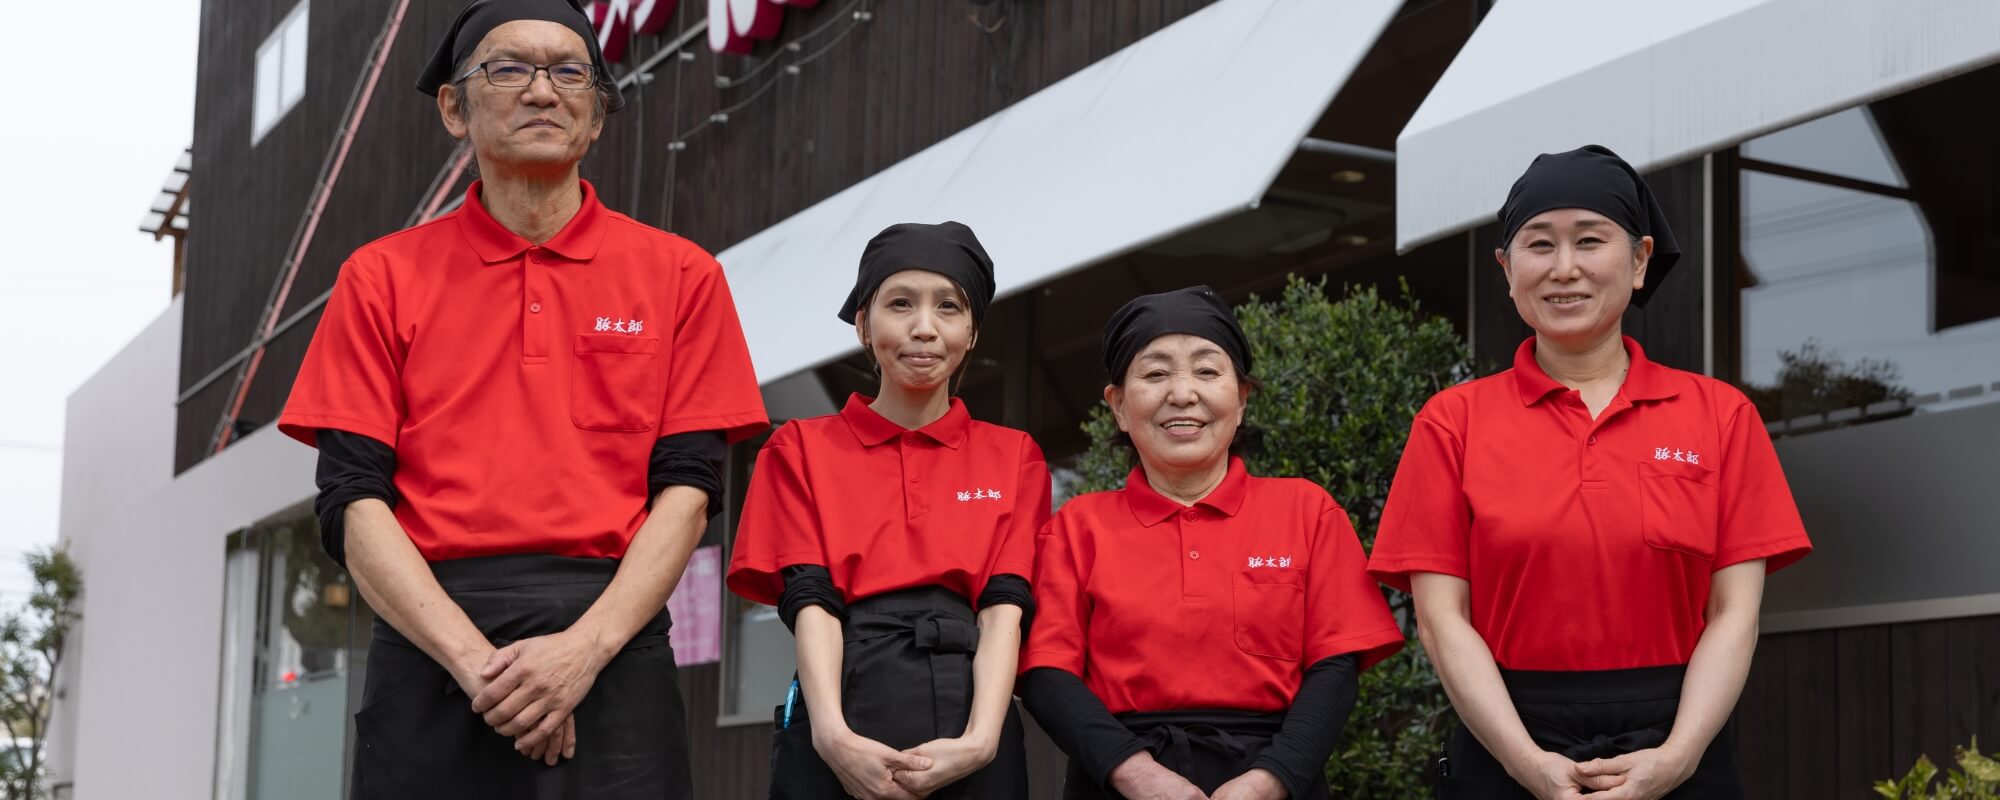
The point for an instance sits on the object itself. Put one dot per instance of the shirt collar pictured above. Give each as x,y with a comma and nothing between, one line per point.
873,429
577,241
1644,380
1151,508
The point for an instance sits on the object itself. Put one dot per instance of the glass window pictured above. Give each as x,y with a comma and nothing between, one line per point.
1868,276
281,72
294,86
290,663
758,657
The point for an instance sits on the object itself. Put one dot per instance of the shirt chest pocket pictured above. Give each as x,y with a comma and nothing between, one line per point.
618,383
1678,507
1270,612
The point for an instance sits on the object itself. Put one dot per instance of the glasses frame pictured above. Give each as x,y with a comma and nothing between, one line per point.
538,69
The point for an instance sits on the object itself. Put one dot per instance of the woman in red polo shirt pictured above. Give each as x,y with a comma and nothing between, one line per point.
1587,534
1200,631
879,530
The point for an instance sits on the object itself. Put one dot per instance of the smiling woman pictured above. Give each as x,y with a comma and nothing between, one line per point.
1272,589
878,531
1587,534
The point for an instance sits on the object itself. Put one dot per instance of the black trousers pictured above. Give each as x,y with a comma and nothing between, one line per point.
1208,747
905,679
416,736
1589,715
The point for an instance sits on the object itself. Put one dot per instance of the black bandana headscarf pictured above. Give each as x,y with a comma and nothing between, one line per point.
1594,178
947,248
480,17
1196,311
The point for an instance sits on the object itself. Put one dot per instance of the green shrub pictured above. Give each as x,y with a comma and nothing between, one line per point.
1342,380
1976,778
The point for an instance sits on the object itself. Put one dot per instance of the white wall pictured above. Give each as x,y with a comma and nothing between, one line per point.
139,719
114,447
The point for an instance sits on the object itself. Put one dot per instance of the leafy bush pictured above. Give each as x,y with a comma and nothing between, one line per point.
1342,380
1976,778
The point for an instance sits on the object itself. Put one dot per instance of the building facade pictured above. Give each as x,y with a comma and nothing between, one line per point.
1837,210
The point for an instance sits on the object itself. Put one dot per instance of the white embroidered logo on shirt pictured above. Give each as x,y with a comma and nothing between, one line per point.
620,326
1270,562
1676,454
979,494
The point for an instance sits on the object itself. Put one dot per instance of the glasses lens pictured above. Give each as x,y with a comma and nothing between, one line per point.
571,75
509,73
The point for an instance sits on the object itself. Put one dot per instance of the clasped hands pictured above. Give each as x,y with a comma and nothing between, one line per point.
871,770
1639,775
528,691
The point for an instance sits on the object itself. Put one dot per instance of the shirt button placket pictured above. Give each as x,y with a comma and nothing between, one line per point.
914,473
534,324
1191,541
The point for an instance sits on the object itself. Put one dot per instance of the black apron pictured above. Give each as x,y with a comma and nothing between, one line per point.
1207,747
416,735
1589,715
905,679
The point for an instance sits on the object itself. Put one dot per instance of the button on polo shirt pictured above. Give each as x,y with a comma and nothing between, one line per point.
522,386
1588,544
883,508
1223,605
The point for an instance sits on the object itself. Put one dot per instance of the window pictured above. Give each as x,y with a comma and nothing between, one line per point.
294,646
1868,276
758,656
281,72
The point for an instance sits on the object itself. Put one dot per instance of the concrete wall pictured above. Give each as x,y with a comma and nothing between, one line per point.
139,717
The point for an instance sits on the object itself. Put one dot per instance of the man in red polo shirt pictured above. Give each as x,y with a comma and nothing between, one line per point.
521,409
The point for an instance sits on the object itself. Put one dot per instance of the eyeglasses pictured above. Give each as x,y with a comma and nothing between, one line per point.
516,74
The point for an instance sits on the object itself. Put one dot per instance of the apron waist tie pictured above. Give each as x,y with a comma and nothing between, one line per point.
938,624
1602,746
1174,737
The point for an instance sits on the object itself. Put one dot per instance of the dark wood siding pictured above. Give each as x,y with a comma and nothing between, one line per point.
919,72
1827,713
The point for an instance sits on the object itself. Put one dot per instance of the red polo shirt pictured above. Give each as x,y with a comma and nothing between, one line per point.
1588,544
953,503
1223,605
523,386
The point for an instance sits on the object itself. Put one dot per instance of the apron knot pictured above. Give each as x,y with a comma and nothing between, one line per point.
946,634
1602,746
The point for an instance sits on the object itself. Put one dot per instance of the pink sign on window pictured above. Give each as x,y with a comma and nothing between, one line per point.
696,607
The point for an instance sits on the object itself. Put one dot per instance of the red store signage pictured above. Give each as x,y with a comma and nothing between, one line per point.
734,26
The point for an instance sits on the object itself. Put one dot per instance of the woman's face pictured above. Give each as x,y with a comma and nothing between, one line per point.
1181,401
919,328
1571,273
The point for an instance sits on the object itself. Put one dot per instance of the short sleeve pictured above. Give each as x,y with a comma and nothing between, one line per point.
351,378
1427,523
1759,518
712,385
1345,612
1057,639
1014,547
779,527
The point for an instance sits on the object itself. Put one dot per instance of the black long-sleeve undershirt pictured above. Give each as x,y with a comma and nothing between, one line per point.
1083,728
355,467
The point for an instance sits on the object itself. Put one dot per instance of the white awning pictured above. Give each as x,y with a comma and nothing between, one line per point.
1658,82
1187,125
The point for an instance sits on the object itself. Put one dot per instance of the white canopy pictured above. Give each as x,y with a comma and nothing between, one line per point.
1187,125
1658,82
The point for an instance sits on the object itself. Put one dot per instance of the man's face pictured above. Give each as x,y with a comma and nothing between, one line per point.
537,127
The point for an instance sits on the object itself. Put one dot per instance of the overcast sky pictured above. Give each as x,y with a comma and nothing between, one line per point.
100,128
